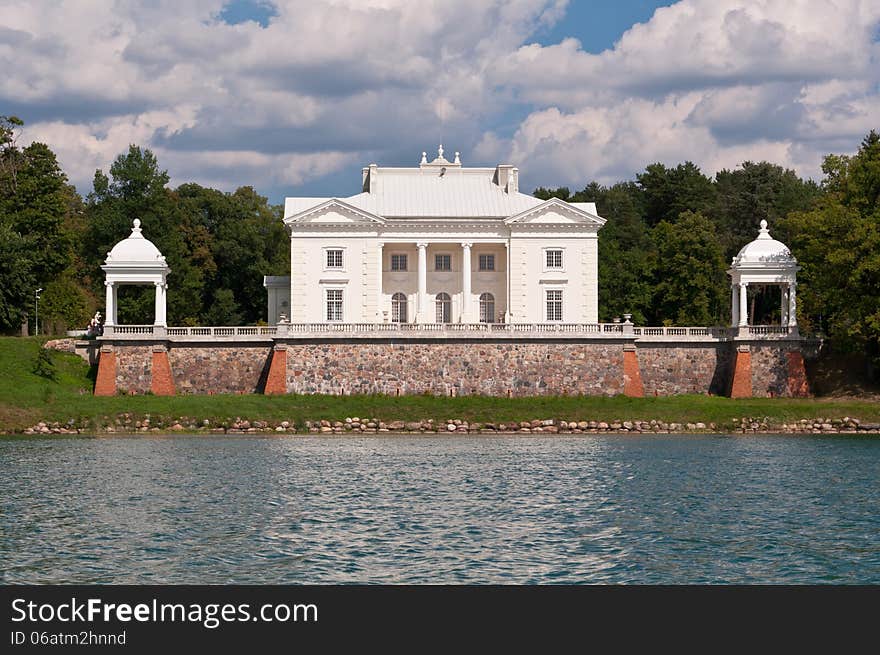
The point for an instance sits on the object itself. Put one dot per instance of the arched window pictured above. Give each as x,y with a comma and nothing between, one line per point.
444,308
487,308
398,308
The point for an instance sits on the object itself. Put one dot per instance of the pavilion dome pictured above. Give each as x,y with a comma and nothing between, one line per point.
136,249
764,250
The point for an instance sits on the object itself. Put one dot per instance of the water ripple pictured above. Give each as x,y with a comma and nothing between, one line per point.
593,509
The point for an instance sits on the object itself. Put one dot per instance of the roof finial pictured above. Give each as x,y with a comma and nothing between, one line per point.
424,158
440,151
136,229
763,233
457,159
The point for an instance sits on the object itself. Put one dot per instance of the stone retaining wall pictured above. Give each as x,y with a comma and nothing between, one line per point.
685,368
484,367
134,368
219,368
468,368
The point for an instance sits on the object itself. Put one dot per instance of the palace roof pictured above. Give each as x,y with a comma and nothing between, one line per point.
436,189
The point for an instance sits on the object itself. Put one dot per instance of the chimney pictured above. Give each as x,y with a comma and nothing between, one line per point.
369,177
507,177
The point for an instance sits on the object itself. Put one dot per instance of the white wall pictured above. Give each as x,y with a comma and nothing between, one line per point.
578,279
310,277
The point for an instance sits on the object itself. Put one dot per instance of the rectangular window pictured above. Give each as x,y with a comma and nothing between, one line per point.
487,262
398,262
334,304
442,262
554,259
334,259
554,305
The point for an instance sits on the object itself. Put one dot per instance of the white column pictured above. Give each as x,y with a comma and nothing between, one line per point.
783,304
743,304
422,316
734,305
109,304
792,305
507,314
379,302
160,304
466,284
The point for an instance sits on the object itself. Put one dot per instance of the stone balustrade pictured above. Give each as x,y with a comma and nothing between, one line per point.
295,331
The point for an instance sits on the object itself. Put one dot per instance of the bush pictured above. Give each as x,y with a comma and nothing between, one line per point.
44,366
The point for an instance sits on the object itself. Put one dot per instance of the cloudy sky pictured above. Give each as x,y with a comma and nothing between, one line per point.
295,96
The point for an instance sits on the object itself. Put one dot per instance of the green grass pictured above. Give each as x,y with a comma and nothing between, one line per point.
26,398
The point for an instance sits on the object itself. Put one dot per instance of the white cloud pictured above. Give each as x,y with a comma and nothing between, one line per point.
712,81
335,83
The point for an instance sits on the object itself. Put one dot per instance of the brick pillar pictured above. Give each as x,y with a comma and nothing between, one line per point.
798,385
276,381
105,384
632,376
741,384
162,381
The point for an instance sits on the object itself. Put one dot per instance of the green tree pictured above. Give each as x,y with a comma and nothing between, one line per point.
756,192
689,283
667,192
137,188
626,253
17,281
837,244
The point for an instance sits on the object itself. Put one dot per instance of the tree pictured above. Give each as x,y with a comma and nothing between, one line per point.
17,282
626,253
689,283
756,192
837,244
667,192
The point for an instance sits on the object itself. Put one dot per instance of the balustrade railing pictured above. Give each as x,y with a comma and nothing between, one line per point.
293,330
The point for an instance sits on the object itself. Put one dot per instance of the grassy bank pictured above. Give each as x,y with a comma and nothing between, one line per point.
27,398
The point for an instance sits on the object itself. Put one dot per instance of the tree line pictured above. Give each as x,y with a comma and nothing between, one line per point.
663,254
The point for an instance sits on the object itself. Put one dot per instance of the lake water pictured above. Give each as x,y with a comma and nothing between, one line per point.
402,509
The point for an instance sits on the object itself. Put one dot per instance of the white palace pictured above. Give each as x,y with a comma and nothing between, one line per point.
438,243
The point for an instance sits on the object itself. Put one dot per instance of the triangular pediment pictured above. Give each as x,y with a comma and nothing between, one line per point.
556,212
333,212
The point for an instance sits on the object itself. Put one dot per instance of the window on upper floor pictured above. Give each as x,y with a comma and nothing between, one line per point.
398,263
334,258
442,262
487,262
554,258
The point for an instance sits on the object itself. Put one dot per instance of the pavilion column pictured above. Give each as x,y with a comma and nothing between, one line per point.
734,305
379,283
792,305
423,283
466,284
160,304
109,304
743,304
783,305
507,314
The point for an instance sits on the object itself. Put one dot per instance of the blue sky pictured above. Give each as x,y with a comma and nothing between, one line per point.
293,97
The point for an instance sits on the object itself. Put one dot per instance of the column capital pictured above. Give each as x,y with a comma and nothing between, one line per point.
466,245
421,245
108,283
381,244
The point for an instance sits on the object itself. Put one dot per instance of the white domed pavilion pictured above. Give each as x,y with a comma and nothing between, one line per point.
135,261
764,261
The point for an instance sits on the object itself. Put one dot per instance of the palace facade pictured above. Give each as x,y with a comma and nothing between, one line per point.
438,243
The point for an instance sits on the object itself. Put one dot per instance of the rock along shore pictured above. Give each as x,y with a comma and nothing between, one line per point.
127,424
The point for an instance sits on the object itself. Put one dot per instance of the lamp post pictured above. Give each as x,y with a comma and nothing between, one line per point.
37,311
